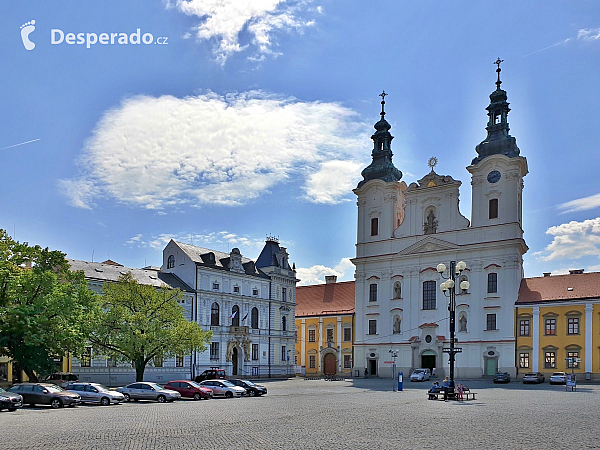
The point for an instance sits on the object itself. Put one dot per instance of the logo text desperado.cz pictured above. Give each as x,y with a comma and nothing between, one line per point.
58,37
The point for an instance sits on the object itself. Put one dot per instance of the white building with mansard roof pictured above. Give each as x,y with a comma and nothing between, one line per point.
404,232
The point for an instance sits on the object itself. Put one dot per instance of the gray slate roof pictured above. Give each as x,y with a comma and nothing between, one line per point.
111,272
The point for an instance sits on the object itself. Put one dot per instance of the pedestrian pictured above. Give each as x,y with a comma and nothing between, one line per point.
435,389
461,389
445,386
366,372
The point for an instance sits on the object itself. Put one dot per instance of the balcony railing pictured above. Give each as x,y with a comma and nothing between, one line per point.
238,330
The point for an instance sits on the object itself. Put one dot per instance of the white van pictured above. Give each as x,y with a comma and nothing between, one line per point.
420,375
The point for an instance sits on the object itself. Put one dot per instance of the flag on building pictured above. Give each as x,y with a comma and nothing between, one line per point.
233,315
245,317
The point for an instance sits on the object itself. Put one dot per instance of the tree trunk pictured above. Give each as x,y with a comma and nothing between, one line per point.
31,375
140,366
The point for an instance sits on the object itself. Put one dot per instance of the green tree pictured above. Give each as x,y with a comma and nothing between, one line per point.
46,310
140,322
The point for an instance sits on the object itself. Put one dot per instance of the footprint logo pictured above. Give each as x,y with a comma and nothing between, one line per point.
26,30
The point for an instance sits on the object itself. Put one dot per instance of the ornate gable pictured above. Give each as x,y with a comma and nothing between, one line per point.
429,244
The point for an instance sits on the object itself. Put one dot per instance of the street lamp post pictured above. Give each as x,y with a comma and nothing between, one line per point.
394,354
449,289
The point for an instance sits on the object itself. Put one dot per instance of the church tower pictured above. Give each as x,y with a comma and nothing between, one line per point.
498,170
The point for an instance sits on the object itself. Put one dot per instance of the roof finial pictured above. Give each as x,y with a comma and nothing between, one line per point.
382,95
498,70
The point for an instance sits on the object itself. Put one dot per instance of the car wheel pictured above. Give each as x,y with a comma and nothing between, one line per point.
105,401
251,393
197,396
228,395
161,399
127,397
56,403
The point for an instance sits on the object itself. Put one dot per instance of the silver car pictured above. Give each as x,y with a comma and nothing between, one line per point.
95,393
143,390
223,388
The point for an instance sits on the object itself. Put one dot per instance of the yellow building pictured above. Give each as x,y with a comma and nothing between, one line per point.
557,325
9,374
325,328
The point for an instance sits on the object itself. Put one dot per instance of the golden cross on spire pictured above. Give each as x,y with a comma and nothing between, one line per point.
498,70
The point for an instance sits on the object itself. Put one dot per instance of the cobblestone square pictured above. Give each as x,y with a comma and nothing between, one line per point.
318,414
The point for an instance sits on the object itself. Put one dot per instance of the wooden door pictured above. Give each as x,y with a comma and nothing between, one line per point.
329,364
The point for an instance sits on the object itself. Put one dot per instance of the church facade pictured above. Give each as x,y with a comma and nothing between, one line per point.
404,232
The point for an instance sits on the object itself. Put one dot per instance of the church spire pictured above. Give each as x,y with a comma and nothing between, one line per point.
381,167
498,141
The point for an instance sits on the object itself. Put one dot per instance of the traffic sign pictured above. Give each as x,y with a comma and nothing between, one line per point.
388,362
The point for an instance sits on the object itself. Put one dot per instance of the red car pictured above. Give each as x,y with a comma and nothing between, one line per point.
190,389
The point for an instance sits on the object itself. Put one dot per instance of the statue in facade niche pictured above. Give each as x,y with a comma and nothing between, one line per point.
462,323
430,226
397,323
397,290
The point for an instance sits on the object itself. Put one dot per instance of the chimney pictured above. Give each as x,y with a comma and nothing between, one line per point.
330,279
547,274
576,271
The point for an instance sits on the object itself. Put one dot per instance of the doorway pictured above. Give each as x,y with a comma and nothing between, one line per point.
491,366
329,364
428,360
234,361
372,365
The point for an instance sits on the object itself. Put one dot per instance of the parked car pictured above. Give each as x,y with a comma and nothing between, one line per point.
211,374
190,389
223,388
148,391
420,375
10,400
95,393
502,377
251,388
45,394
61,378
534,377
558,378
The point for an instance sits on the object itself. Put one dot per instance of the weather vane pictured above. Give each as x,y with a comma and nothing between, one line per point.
382,95
498,70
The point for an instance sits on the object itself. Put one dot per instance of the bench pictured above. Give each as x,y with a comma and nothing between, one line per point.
467,395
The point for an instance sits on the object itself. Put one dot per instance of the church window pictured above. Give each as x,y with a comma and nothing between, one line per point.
171,262
429,292
373,293
372,326
254,318
493,209
491,322
214,314
374,226
492,283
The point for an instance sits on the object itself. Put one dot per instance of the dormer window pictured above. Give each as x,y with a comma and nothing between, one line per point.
171,262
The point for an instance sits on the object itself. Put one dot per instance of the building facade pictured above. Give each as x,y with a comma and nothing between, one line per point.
404,232
557,323
325,328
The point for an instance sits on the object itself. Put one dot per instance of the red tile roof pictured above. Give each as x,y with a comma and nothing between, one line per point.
323,299
557,288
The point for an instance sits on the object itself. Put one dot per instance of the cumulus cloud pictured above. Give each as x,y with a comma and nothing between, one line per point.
589,34
316,274
152,152
226,22
573,240
581,204
333,181
216,240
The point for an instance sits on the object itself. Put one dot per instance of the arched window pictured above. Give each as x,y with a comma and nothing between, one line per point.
254,318
284,323
171,262
235,316
214,314
397,290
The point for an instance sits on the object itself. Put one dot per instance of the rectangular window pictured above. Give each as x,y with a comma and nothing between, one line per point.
372,326
312,335
347,361
312,362
374,226
373,292
493,208
550,360
348,334
524,360
429,293
572,360
255,292
330,335
524,328
254,352
492,283
215,286
236,289
573,325
491,322
283,294
214,350
86,358
283,355
158,361
550,329
179,361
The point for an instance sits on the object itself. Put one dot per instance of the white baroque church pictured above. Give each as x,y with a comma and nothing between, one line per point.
404,232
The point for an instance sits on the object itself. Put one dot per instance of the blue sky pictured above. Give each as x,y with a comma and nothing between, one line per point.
255,117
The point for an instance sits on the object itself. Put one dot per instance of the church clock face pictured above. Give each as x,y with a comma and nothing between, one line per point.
494,176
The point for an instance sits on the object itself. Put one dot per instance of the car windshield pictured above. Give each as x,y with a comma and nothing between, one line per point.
194,384
100,387
558,374
227,383
2,390
249,383
155,386
53,388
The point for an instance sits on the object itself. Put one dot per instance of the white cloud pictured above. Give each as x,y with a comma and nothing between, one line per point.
595,268
333,181
581,204
153,152
249,246
226,21
316,274
589,34
574,240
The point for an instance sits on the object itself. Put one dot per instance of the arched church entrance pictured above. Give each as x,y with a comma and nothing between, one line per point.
235,361
428,358
329,364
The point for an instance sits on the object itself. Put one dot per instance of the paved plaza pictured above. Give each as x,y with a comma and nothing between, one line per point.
318,414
